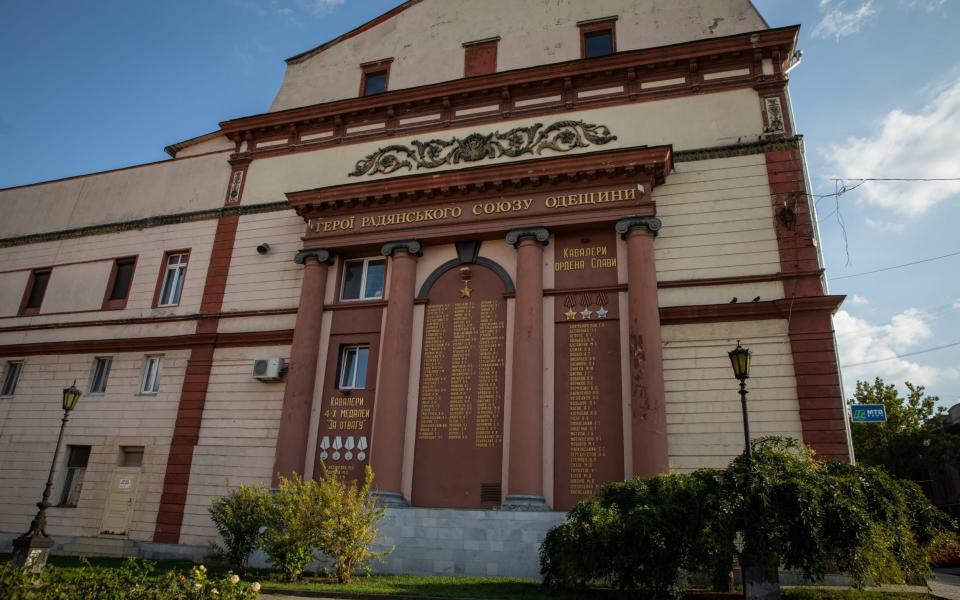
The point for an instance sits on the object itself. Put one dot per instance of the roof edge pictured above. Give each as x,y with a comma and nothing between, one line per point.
353,32
173,149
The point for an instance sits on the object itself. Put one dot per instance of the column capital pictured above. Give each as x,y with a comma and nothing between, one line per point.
322,256
624,226
537,233
412,246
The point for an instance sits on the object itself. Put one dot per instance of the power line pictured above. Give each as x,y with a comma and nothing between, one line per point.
879,360
909,264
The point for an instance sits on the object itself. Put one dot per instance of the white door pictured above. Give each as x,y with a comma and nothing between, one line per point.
120,499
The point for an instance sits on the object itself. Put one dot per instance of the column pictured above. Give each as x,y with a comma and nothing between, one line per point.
302,370
647,405
525,462
390,408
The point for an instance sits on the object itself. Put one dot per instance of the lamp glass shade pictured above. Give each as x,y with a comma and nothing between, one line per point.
740,361
71,396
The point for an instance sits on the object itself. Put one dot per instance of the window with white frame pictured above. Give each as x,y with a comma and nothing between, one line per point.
99,375
10,378
353,367
150,383
363,279
173,275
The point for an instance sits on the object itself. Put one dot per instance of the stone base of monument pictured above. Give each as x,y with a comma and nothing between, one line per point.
761,583
390,499
438,541
520,502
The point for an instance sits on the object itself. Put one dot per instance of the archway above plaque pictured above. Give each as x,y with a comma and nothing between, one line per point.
468,253
459,444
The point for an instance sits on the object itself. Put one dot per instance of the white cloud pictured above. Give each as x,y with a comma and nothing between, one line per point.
860,341
886,226
857,299
839,22
907,145
927,5
956,305
320,7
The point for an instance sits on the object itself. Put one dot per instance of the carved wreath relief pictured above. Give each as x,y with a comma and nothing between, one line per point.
562,136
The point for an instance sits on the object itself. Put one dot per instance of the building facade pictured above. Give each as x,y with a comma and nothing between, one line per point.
501,261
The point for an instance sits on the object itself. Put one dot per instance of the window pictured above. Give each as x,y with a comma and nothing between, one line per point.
77,458
598,37
36,288
131,456
99,375
376,77
353,367
10,378
150,383
118,290
480,58
172,276
363,279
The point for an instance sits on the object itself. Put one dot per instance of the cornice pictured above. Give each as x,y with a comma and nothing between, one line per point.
783,308
759,146
157,221
627,69
644,162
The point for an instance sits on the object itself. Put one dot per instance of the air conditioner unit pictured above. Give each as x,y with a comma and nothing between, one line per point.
269,369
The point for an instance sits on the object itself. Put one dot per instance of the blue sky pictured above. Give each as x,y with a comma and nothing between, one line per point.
89,86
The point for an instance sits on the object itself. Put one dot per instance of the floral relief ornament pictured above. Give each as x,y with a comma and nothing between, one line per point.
562,136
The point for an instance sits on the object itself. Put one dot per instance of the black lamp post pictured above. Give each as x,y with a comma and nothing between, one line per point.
32,548
740,360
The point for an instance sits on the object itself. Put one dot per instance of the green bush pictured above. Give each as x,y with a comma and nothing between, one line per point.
291,531
789,509
135,580
348,518
238,517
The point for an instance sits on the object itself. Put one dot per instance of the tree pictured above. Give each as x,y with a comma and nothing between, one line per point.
911,444
789,509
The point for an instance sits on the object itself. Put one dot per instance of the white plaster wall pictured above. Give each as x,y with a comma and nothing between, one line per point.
265,281
81,287
426,39
238,435
30,420
704,420
717,222
12,287
167,187
689,122
77,287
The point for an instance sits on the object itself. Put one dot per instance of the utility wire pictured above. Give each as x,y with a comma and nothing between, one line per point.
879,360
909,264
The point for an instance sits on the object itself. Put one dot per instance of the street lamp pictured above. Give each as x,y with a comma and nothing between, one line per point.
740,360
32,548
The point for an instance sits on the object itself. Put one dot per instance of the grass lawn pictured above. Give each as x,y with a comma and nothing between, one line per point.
481,588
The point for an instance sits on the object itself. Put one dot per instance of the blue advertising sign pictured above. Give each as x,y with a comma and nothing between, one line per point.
869,413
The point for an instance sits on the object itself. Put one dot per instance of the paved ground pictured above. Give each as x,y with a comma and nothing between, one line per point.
945,583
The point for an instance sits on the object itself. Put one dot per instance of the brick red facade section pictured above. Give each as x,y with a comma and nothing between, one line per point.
822,408
186,431
185,435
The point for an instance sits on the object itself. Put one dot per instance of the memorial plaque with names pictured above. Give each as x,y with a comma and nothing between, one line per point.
459,444
588,419
346,415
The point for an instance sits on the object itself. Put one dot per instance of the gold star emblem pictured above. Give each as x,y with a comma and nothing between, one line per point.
586,312
465,291
570,314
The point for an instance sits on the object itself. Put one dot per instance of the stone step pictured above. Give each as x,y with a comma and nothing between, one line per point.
97,546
